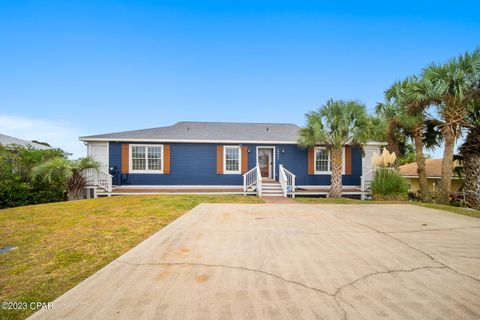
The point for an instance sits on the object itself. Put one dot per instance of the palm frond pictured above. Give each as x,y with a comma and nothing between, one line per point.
336,123
52,169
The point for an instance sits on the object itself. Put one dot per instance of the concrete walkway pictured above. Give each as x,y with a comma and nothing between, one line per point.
291,261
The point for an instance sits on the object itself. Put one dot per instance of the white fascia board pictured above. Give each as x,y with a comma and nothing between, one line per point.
188,141
87,139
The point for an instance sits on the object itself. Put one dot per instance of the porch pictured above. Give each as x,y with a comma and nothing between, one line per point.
99,183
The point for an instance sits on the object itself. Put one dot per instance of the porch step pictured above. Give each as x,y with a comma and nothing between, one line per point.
271,187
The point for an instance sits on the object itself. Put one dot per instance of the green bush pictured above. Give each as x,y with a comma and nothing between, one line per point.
389,185
17,187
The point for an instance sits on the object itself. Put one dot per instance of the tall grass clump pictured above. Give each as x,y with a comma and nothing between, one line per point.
389,185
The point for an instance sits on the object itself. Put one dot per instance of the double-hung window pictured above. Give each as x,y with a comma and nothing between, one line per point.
232,159
323,161
146,158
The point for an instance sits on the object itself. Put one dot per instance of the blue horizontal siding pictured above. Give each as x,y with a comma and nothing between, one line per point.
195,164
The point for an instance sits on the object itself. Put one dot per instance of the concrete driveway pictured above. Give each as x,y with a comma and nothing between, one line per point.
274,261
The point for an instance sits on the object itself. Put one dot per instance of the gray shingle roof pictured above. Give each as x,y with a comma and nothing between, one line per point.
207,131
9,140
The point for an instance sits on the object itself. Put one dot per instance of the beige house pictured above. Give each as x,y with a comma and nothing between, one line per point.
434,173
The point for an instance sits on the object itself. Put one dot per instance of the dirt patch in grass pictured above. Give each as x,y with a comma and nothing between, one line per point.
60,244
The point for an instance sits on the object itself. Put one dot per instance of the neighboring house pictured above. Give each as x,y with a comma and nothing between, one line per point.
260,158
8,140
434,174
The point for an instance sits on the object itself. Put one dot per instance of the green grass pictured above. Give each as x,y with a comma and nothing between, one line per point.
457,210
60,244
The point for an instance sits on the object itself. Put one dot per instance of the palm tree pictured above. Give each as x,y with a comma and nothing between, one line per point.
455,86
70,171
471,159
388,111
411,97
335,124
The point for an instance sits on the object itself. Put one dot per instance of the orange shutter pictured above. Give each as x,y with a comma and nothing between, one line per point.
125,152
311,164
219,159
244,159
348,160
166,159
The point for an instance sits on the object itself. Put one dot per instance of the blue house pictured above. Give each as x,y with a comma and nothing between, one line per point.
221,157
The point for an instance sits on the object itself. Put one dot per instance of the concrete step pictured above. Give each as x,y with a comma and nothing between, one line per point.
272,194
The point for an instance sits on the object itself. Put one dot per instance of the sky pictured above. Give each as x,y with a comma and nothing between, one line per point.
73,68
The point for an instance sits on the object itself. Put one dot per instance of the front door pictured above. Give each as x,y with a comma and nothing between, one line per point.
265,161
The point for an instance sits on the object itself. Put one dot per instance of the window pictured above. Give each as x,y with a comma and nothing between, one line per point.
146,158
323,163
231,162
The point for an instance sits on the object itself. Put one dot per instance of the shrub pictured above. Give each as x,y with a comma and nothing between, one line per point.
389,185
17,186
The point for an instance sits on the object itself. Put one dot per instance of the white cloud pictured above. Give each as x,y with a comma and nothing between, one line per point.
59,134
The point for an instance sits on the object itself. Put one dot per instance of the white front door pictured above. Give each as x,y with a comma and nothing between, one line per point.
99,152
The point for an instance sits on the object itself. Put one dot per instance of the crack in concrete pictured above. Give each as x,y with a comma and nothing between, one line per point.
345,317
385,272
387,234
339,290
333,295
273,275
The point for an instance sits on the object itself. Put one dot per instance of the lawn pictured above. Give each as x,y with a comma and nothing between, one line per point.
60,244
464,211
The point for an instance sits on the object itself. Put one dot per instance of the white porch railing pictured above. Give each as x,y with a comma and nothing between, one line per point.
287,181
251,178
366,181
259,181
98,178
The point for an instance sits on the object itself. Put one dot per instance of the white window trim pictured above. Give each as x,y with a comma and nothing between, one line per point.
329,161
239,171
130,158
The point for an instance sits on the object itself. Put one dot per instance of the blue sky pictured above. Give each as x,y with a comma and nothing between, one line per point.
76,68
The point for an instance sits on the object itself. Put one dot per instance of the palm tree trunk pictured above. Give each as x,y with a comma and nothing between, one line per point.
422,172
471,168
75,186
447,167
392,143
336,183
